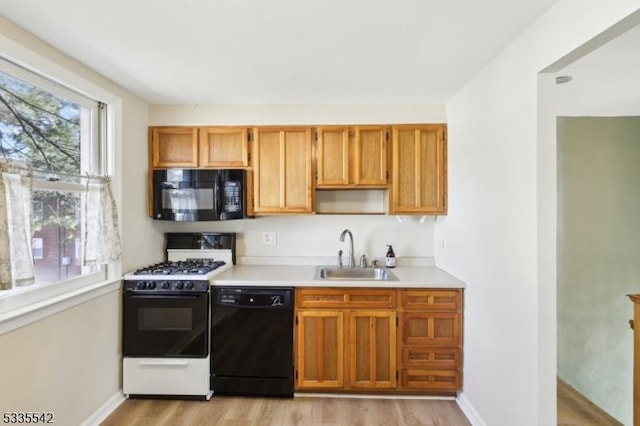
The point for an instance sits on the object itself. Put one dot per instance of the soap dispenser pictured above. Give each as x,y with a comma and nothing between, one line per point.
390,260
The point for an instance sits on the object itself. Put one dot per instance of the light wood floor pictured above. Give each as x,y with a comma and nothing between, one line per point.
575,410
308,411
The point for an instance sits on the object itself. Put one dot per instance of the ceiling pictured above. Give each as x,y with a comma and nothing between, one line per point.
606,82
281,51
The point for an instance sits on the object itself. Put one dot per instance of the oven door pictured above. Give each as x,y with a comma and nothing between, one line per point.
165,325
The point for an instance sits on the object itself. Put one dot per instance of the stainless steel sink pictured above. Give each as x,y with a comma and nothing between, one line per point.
353,274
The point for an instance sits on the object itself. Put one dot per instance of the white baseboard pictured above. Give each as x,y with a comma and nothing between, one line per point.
469,410
105,410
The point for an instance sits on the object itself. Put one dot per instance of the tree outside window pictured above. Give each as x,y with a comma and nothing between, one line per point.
46,131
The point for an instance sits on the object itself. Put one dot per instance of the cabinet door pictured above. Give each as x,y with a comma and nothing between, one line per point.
370,156
372,349
419,170
320,349
332,156
224,147
174,147
282,170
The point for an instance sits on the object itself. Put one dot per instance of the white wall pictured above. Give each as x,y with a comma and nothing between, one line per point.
310,114
318,235
500,231
598,257
69,363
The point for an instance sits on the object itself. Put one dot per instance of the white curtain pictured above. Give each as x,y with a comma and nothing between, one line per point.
102,239
16,257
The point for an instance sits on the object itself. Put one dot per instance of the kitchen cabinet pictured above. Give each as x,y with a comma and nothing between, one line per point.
418,171
226,147
430,348
199,147
282,170
345,157
320,349
345,339
372,355
174,147
351,157
405,340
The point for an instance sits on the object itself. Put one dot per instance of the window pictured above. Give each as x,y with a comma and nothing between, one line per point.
58,133
36,246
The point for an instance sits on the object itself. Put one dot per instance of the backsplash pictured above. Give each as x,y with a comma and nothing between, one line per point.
318,235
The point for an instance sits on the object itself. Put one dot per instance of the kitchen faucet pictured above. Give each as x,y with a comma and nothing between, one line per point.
352,260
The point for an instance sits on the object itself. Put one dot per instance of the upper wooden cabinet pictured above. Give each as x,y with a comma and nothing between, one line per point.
195,147
346,157
282,171
174,146
351,156
370,157
224,147
333,156
419,176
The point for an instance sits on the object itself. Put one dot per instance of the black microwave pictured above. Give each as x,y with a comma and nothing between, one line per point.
186,195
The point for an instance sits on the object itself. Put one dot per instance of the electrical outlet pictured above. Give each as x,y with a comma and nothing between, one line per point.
269,238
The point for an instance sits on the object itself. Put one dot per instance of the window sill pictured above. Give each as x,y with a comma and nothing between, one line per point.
21,316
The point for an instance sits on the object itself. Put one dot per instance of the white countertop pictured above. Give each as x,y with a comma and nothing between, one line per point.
303,276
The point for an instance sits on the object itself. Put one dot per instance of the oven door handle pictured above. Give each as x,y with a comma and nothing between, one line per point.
163,363
167,296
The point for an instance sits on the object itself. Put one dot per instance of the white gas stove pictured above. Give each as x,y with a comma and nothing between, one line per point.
184,266
167,317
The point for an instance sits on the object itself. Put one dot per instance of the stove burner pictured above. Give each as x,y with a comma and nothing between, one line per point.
192,266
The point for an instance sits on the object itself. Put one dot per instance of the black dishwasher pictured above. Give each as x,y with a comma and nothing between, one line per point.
252,341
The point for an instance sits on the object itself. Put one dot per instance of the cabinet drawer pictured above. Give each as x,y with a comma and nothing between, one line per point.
428,357
431,379
431,300
165,376
345,298
427,328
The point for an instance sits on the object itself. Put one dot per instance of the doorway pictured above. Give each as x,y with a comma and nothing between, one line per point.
598,233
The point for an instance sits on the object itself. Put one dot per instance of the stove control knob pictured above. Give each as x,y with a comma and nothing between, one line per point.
165,285
179,285
140,285
151,285
188,285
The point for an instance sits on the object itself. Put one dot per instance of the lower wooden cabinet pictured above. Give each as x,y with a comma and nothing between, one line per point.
343,346
320,349
431,340
372,354
358,340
